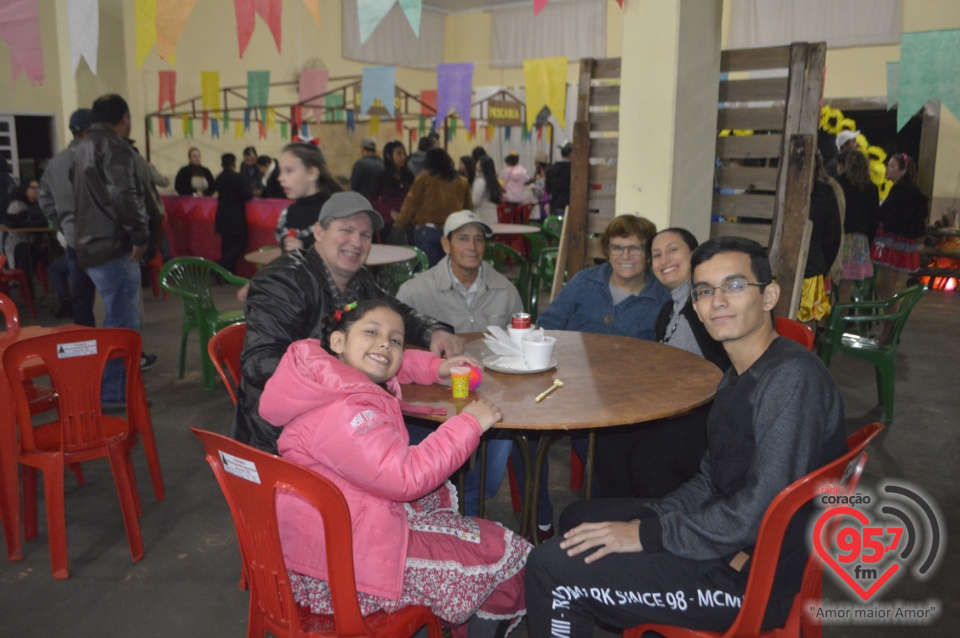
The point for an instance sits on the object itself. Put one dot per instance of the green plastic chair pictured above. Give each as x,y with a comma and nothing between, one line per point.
500,256
190,278
553,226
841,336
542,275
392,276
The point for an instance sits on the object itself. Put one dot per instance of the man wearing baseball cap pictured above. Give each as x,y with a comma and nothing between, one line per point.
467,294
58,204
846,141
290,299
365,177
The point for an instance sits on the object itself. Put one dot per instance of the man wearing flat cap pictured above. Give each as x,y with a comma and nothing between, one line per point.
288,299
365,178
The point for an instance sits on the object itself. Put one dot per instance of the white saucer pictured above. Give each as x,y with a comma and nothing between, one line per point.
488,363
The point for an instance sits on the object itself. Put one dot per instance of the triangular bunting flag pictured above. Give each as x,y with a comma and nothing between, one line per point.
473,130
168,90
455,89
171,18
313,6
185,123
263,130
149,126
538,6
206,121
506,132
271,119
166,124
546,85
370,13
246,120
215,128
399,124
379,82
83,22
351,121
238,130
145,27
305,131
284,132
20,29
258,90
452,128
313,83
246,12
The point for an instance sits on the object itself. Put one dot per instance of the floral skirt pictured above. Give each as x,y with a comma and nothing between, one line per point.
457,566
896,252
814,299
855,262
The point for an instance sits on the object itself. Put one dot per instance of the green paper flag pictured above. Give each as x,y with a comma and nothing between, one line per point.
258,90
929,70
893,83
453,127
423,126
149,126
333,111
284,133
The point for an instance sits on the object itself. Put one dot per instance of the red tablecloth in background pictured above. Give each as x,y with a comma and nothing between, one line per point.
190,222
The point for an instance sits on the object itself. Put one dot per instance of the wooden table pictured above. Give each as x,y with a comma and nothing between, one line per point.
380,254
514,229
9,476
45,229
608,380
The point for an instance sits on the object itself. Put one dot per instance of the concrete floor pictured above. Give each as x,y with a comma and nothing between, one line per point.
186,584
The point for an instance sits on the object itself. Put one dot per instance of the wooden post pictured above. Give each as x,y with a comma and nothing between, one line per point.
792,256
927,156
575,221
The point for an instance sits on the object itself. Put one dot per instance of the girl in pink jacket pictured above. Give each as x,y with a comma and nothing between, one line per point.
341,417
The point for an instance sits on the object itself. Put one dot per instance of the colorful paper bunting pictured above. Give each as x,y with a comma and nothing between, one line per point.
258,89
149,126
546,85
374,127
271,119
538,6
83,23
398,125
929,70
351,121
334,108
206,121
168,90
370,14
171,19
187,125
215,128
305,130
313,82
455,89
422,129
210,90
166,125
506,132
284,131
263,130
313,6
379,82
428,103
247,11
145,28
893,83
473,130
238,130
246,120
20,29
161,126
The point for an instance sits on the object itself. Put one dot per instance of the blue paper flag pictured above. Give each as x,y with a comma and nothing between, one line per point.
455,90
246,120
506,132
351,120
166,122
379,82
304,130
215,128
929,70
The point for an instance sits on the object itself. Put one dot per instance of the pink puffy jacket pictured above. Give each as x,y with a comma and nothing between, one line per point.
340,424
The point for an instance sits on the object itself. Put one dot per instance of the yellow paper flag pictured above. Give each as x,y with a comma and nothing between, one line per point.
546,83
238,129
171,18
313,6
145,27
271,119
374,128
210,90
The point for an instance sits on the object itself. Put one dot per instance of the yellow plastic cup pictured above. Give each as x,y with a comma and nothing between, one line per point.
460,382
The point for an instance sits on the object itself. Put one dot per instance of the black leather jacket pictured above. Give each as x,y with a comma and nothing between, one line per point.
285,303
111,215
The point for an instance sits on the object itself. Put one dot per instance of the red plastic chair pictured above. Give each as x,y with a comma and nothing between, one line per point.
224,349
252,503
764,561
795,330
15,274
82,432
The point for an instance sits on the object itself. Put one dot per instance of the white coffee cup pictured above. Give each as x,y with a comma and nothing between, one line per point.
517,334
538,354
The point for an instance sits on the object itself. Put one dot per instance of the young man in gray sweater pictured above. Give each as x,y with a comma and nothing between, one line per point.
684,559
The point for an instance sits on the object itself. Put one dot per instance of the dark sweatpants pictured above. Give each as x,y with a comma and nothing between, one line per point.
565,596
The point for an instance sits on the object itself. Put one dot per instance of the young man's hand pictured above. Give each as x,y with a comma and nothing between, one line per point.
609,538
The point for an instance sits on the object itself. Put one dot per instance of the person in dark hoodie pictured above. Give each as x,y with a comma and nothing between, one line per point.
233,193
305,177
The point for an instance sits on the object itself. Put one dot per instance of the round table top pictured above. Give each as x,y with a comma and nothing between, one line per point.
380,254
608,380
514,229
45,229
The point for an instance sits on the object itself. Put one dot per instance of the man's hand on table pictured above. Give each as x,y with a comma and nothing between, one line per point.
444,344
609,537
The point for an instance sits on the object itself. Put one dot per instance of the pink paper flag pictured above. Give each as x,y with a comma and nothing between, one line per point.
171,19
168,89
313,82
538,6
246,12
20,29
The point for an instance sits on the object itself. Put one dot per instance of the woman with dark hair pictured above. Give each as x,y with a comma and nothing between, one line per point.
436,193
395,182
860,221
24,250
903,220
650,460
468,168
825,239
304,177
515,179
478,153
487,191
194,178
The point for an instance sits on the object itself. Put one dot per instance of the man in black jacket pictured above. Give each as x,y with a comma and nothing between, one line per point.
233,193
683,560
558,181
289,299
112,226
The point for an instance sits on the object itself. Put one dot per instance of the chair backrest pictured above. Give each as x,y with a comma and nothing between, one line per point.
553,226
497,255
392,276
190,279
11,316
907,299
75,361
795,330
224,348
250,480
844,471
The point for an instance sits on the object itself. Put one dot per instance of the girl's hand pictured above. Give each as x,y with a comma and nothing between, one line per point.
453,362
485,412
291,243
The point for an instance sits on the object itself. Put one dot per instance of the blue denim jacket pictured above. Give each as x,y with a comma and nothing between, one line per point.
585,305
